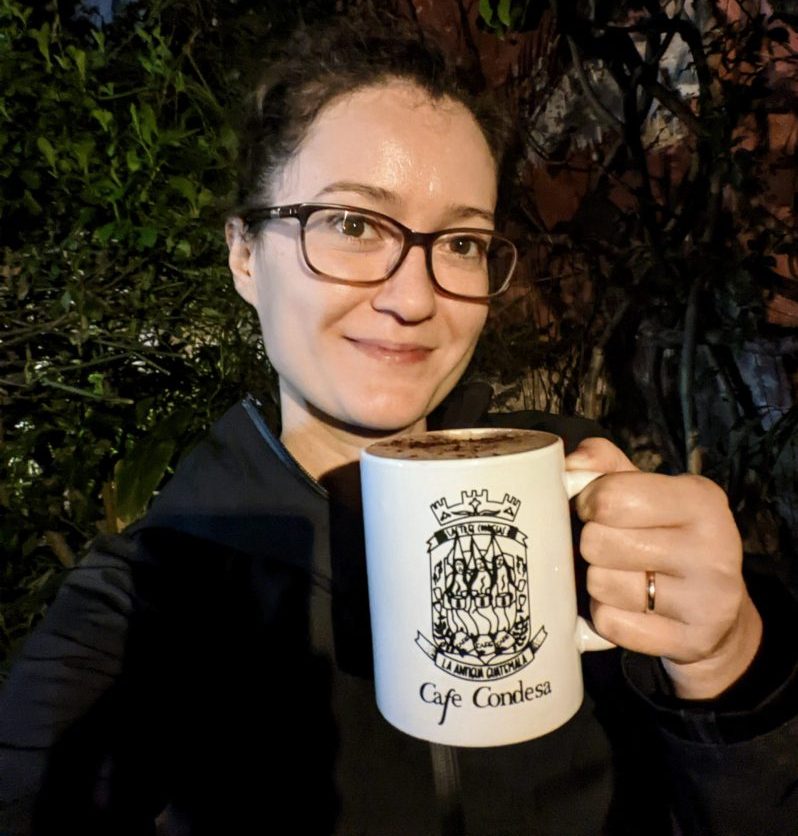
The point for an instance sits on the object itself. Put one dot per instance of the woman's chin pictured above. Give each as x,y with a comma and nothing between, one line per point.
391,424
385,419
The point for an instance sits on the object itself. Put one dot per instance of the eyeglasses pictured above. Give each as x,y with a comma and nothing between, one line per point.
359,247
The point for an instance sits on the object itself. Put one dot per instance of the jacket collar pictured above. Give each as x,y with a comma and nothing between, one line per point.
241,489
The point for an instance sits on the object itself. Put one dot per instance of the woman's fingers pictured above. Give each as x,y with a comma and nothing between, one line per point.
645,500
682,600
598,454
677,550
653,634
701,660
636,549
629,591
704,625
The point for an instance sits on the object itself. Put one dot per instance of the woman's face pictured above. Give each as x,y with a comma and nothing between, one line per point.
377,358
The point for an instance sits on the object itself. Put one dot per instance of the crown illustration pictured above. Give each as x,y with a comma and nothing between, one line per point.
476,504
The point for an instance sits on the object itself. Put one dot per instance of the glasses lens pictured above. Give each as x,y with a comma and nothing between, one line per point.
351,245
471,263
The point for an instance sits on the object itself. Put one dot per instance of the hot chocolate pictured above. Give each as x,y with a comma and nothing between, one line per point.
462,444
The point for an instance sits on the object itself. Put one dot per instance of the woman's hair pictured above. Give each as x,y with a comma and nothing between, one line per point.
317,65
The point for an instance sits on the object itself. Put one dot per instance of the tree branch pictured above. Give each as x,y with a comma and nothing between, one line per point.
692,452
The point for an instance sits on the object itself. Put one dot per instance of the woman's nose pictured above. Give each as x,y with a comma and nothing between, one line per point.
409,294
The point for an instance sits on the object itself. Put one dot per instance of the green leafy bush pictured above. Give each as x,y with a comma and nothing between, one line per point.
122,338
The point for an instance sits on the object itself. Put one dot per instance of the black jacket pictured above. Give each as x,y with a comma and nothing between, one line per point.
209,672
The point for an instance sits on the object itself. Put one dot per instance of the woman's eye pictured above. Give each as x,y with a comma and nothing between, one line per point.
467,246
347,231
355,226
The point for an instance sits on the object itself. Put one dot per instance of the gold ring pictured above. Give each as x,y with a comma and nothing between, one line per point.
651,591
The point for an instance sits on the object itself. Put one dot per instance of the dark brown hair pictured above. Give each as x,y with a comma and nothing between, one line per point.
317,65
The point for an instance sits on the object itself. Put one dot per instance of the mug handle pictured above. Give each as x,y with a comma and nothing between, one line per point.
586,636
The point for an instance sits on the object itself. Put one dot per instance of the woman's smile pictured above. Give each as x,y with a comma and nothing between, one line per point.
391,352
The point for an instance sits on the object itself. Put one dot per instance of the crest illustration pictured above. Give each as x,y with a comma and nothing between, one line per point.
479,589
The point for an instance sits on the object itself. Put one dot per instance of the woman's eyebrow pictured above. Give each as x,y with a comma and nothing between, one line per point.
363,189
462,213
456,212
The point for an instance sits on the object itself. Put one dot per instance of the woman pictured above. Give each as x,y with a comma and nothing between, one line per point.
210,670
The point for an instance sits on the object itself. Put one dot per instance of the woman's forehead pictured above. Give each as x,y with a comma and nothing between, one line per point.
398,141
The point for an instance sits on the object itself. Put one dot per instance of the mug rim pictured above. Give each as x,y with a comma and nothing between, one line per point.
374,450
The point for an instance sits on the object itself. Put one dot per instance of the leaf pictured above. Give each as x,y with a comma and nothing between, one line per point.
148,235
23,287
132,160
31,204
104,233
183,248
174,425
29,545
486,11
97,380
139,474
174,136
134,118
185,187
44,145
42,38
82,151
104,117
228,138
503,12
149,124
144,123
30,178
21,14
79,57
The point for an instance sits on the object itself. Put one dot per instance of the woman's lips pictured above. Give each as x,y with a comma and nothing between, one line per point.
391,352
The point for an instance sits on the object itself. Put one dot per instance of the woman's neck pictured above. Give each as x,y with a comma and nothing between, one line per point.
322,445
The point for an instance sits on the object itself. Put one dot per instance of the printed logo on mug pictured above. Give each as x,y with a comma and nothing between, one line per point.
471,585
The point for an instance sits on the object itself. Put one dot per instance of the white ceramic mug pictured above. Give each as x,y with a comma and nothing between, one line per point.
471,585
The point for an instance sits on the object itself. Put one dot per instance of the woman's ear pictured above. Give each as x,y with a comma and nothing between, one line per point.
241,259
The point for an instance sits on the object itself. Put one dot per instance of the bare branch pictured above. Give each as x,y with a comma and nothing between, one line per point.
603,115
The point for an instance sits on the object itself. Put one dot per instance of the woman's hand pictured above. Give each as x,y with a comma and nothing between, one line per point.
704,624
